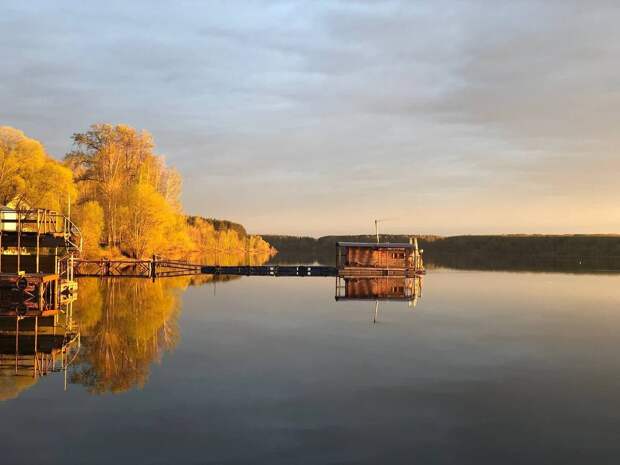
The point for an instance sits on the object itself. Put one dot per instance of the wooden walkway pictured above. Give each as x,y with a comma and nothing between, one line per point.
272,270
154,268
159,268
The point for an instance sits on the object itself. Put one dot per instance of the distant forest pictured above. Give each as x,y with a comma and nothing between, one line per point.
499,252
124,197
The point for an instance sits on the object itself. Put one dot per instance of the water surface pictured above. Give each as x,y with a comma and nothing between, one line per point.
488,367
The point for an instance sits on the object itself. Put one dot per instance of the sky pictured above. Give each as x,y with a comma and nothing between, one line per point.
317,117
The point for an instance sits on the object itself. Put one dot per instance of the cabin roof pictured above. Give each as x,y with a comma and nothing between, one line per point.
376,245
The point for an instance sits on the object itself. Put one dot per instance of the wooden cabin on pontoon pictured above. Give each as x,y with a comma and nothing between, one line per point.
37,248
379,258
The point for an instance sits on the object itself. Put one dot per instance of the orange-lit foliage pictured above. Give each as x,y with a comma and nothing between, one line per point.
29,177
115,166
127,324
123,195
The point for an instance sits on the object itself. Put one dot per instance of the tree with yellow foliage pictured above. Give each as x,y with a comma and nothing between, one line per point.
115,166
89,215
29,177
148,221
123,195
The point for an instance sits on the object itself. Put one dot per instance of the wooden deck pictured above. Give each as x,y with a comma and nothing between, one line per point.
165,268
377,272
153,268
38,228
308,270
272,270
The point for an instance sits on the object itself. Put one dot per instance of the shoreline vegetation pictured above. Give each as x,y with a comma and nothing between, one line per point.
124,197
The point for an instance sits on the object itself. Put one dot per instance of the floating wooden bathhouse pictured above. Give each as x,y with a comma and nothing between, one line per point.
37,248
380,258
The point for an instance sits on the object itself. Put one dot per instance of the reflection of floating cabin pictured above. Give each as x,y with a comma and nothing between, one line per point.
381,258
378,288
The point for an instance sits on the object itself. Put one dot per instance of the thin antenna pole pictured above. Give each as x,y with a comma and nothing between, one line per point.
377,230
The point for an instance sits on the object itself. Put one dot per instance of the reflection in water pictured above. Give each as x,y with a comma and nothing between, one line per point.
106,340
33,344
126,325
407,289
529,360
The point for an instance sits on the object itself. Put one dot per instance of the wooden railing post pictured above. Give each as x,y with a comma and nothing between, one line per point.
38,237
19,239
154,267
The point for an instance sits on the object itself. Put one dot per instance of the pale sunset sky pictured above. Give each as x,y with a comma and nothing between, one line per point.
315,117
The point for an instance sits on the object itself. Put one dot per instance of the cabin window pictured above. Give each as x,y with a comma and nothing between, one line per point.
397,255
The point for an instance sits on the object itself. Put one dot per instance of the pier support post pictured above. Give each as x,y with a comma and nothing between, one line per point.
19,240
38,238
154,267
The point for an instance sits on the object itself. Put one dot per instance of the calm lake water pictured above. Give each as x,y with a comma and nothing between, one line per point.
488,367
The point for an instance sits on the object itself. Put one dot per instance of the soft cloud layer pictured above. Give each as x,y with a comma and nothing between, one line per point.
317,117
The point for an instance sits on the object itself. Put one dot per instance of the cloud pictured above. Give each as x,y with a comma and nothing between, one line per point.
283,114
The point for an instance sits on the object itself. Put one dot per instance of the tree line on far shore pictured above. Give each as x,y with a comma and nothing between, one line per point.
569,252
124,197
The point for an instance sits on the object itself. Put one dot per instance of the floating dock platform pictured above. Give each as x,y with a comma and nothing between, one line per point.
272,270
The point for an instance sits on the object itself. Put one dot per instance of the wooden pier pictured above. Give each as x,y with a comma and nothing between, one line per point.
272,270
353,259
160,268
308,270
156,267
165,268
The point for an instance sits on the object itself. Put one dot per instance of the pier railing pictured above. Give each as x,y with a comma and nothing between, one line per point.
153,268
39,222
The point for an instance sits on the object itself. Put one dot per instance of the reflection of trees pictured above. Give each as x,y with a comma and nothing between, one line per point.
126,325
